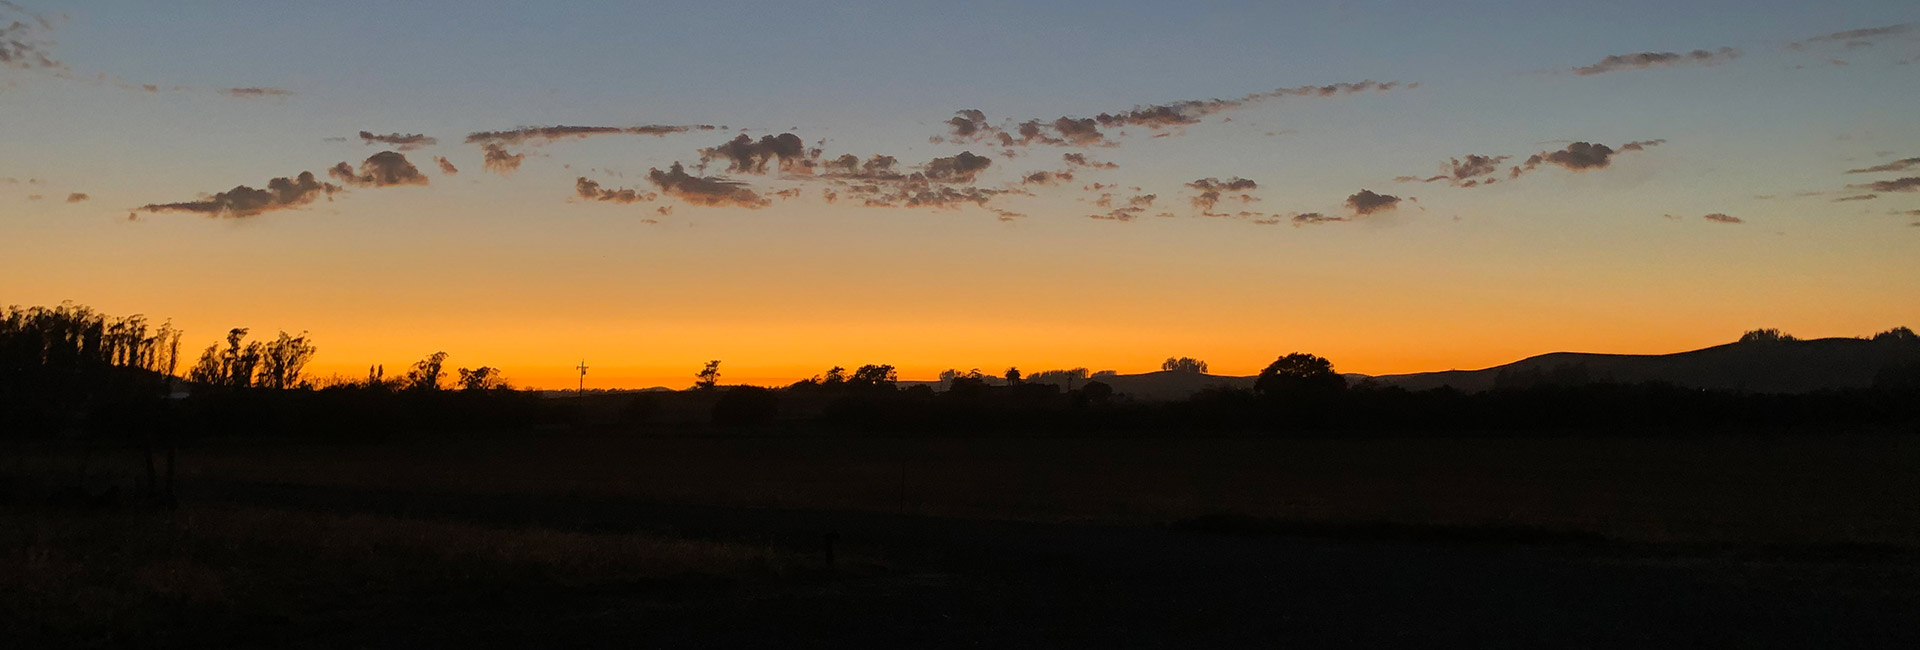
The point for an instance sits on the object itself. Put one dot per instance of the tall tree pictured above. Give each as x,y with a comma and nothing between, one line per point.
708,377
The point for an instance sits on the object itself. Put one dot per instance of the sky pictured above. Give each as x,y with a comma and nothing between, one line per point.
1397,186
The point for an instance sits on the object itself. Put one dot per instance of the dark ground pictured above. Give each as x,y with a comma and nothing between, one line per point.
924,581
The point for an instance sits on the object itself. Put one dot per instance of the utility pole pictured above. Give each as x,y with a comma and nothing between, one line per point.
583,377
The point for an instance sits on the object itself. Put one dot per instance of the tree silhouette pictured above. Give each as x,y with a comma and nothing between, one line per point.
282,360
708,377
1897,335
426,373
1184,364
879,376
483,378
1013,375
1766,335
232,368
1299,374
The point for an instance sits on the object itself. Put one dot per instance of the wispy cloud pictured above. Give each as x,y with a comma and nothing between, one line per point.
1717,217
1581,156
547,133
78,197
26,40
252,92
242,201
401,141
1895,166
1908,184
590,190
704,190
972,125
1854,38
1645,60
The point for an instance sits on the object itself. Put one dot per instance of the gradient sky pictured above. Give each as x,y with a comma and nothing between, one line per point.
519,271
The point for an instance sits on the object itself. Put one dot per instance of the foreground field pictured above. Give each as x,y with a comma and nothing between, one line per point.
713,542
1787,490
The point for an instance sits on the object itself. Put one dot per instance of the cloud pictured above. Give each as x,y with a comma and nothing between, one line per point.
1581,156
383,169
548,133
446,166
1080,160
242,201
967,123
401,141
971,125
1721,218
590,190
1855,37
1908,184
1213,190
1128,213
1367,202
1895,166
1046,178
25,43
1311,218
1857,197
77,197
254,92
496,159
1463,172
704,190
959,167
745,155
1645,60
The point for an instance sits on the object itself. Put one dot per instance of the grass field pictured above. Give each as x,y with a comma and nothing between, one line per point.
1848,489
443,538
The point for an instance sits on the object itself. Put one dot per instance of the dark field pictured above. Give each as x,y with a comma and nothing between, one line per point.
1788,541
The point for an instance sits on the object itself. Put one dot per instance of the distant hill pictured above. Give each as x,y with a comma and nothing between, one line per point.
1757,366
1167,385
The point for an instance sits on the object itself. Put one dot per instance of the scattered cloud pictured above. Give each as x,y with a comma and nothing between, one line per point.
1722,218
959,167
25,39
1581,156
1895,166
549,133
255,92
1645,60
704,190
1214,190
1080,160
971,124
1908,184
1464,172
401,141
1312,218
1857,197
744,155
1128,213
498,160
242,201
1854,38
383,169
1367,202
77,197
1046,178
590,190
446,166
